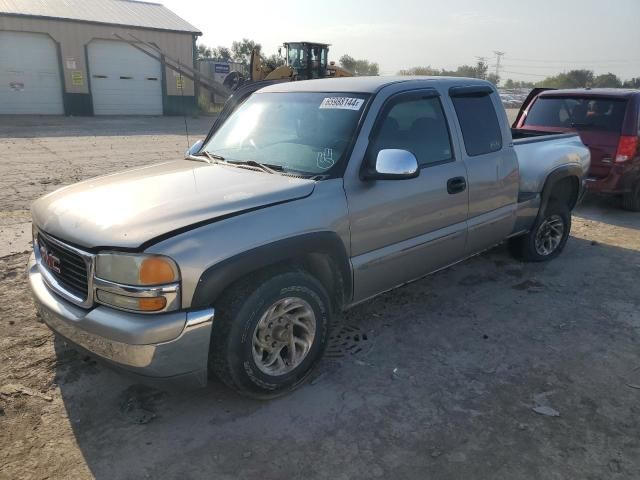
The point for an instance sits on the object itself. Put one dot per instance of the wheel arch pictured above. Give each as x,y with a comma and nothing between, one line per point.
321,254
563,184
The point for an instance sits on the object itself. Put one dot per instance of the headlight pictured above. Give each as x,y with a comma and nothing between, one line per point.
136,269
137,282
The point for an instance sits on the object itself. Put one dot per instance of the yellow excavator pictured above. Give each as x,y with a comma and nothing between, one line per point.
303,61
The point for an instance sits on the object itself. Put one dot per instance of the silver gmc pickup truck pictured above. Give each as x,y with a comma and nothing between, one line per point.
305,199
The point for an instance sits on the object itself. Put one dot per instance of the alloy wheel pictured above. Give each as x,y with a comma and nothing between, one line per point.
283,336
549,235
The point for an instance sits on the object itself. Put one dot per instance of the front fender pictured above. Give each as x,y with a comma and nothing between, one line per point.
218,277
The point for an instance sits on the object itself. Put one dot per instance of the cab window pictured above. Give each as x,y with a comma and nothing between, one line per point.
479,124
416,124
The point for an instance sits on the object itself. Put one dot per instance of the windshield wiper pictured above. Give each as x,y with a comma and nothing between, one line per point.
217,158
213,157
262,166
209,157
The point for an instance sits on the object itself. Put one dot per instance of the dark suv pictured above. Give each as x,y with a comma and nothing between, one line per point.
608,121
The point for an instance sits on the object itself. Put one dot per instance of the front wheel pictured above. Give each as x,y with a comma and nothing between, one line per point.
270,333
547,238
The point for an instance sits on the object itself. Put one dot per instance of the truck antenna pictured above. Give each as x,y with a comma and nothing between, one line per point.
184,107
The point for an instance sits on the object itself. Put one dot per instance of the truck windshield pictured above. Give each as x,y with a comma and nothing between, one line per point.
596,113
298,131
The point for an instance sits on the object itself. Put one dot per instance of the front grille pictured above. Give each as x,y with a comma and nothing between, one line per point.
73,270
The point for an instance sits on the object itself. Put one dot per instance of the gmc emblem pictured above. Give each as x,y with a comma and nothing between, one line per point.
49,259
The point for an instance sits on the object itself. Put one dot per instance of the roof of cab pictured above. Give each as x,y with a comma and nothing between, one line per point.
365,84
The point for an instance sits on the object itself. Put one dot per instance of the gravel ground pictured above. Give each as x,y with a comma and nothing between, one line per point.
489,369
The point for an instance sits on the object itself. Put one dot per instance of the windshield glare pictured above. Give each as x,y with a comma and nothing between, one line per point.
298,131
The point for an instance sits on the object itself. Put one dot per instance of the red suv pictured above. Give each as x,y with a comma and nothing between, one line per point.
608,121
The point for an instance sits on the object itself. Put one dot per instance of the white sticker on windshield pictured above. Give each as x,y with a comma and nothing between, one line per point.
342,103
325,159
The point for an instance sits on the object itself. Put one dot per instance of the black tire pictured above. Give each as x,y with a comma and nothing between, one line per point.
524,247
233,80
238,313
631,201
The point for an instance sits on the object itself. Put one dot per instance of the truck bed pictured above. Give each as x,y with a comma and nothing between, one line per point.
539,153
528,136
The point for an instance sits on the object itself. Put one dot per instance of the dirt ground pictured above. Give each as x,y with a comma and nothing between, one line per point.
490,369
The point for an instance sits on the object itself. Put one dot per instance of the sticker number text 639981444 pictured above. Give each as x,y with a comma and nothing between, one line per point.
344,103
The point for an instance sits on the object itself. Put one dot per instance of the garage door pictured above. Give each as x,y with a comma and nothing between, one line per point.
29,74
124,81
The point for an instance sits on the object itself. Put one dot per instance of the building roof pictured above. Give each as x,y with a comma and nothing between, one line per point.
112,12
366,84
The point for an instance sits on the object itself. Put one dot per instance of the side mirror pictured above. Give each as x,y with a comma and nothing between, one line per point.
195,148
393,164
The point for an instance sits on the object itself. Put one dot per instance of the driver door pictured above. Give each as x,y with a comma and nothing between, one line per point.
404,229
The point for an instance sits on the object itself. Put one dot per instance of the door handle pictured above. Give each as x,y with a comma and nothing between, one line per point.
456,185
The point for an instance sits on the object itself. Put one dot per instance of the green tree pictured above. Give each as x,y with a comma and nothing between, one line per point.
359,67
204,51
518,84
633,83
365,67
222,54
274,60
571,79
607,80
468,71
481,70
428,71
348,63
472,71
241,51
493,78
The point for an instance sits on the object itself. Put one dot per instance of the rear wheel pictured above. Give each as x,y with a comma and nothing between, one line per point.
270,333
547,238
631,200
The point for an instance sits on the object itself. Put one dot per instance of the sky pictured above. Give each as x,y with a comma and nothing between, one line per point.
539,38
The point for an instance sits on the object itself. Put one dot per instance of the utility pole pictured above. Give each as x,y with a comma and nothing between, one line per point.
499,57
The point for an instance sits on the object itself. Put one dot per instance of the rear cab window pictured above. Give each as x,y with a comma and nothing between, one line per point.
479,123
577,112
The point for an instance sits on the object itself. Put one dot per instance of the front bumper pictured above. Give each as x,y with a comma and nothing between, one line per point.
169,345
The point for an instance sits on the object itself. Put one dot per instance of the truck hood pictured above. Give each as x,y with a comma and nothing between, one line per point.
130,208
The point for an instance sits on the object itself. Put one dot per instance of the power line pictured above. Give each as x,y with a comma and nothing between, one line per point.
583,62
574,65
527,74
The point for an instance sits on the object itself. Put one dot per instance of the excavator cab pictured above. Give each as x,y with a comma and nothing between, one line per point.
303,61
307,59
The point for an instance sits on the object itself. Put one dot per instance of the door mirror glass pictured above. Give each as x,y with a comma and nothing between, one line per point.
195,148
395,164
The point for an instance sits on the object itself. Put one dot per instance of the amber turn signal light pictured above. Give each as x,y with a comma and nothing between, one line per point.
156,271
151,304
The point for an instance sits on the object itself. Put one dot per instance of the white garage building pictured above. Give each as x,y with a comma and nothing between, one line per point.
95,57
